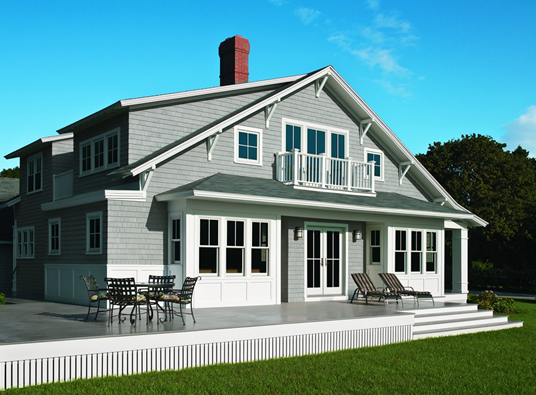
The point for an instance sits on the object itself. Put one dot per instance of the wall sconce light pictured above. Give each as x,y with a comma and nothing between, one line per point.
298,232
357,235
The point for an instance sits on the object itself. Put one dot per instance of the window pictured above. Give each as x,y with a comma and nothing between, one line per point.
377,157
234,254
375,247
209,246
400,251
292,137
35,173
431,252
25,242
259,248
317,139
99,153
416,251
176,240
54,236
94,233
248,145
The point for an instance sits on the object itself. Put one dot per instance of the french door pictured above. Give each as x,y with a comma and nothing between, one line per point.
325,265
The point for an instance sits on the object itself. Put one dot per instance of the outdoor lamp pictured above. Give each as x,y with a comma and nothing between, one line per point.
357,235
298,232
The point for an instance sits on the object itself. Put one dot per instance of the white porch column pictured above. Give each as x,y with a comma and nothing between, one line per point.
459,261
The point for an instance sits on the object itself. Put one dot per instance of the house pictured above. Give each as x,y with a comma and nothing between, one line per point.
9,189
273,191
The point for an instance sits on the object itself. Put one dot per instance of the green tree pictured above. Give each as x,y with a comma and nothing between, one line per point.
498,186
11,173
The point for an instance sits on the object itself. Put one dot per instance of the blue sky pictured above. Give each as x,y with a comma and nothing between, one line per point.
432,70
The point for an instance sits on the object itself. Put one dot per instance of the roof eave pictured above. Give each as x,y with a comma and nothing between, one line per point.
37,145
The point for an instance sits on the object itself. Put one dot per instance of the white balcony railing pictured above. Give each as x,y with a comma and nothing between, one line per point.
63,185
321,171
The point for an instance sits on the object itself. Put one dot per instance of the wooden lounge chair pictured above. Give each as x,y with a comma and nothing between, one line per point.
94,294
393,284
366,287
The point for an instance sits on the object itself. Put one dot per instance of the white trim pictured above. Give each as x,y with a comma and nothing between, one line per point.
34,158
246,129
382,161
30,230
172,217
90,217
91,143
337,191
51,222
96,196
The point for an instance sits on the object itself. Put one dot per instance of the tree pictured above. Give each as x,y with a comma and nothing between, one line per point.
498,186
11,173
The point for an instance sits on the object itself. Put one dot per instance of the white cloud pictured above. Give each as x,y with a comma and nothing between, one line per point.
307,15
398,90
373,4
381,58
522,131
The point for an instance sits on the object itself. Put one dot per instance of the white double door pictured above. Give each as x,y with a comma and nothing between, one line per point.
324,261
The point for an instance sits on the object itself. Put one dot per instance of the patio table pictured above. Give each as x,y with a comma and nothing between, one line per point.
148,288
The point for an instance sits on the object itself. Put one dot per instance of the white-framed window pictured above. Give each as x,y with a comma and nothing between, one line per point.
209,246
315,139
416,251
234,252
99,153
54,236
248,145
25,242
35,173
376,156
375,247
260,247
176,239
94,233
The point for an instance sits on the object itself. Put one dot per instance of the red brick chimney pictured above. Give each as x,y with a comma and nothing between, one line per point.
234,63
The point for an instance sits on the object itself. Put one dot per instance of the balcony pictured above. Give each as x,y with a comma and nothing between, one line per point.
321,171
63,185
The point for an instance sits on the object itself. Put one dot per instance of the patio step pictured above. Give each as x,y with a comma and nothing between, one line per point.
458,320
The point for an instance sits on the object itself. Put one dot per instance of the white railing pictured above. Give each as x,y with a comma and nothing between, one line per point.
63,185
321,171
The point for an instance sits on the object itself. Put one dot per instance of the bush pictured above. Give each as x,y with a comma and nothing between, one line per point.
488,300
2,300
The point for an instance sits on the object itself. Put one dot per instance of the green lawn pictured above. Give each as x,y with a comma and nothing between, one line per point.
499,362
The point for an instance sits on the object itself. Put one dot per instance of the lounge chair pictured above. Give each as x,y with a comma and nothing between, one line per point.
366,287
393,284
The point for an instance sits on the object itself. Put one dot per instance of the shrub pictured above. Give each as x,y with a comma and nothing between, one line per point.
2,300
488,300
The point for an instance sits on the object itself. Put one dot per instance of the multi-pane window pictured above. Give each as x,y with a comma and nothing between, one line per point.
431,251
259,247
375,247
316,141
176,240
248,145
292,137
416,251
25,242
377,157
209,246
35,173
94,233
99,153
54,236
234,255
338,149
400,251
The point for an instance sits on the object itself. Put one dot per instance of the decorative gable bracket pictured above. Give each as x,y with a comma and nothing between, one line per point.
368,122
211,144
441,201
402,171
269,111
320,85
145,178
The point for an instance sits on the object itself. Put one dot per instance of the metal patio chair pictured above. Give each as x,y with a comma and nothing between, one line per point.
182,297
94,294
393,284
158,286
123,293
366,287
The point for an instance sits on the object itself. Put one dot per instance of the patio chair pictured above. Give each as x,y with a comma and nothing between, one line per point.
123,293
182,297
94,294
158,286
366,287
393,284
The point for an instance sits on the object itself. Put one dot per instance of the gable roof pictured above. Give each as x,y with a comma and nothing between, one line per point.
37,145
9,188
268,191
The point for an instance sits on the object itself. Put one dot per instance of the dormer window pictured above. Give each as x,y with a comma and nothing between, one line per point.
99,153
377,157
35,173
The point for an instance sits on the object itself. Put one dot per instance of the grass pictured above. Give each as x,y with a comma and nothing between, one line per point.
498,362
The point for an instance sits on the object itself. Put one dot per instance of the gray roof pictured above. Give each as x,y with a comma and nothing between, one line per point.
262,187
9,188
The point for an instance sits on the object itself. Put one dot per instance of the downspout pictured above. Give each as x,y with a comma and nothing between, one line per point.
14,238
